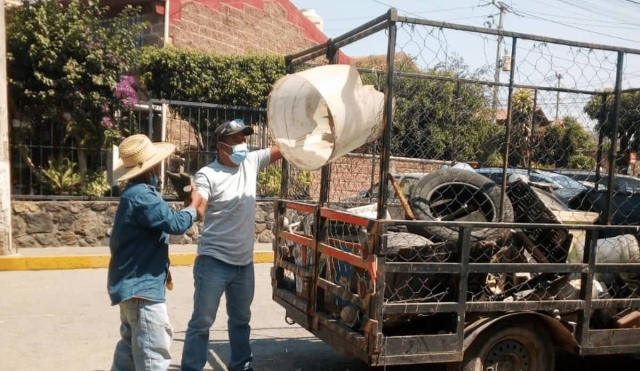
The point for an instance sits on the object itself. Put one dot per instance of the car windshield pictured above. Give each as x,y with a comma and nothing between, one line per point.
566,182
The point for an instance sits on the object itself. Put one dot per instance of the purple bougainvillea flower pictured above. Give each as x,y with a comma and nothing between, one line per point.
106,122
125,91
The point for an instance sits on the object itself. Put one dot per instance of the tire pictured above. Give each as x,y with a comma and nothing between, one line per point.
511,346
445,194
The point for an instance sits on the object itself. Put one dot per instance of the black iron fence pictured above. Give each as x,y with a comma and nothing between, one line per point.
50,165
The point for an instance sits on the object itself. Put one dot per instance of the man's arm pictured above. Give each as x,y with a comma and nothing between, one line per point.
154,212
275,154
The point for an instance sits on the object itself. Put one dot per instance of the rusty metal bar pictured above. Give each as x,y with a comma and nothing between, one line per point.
515,35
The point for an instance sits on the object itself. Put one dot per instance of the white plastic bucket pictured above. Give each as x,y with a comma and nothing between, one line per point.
316,116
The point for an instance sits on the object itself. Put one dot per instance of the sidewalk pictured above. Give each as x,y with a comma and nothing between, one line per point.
54,258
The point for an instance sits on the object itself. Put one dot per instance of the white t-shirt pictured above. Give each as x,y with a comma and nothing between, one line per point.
228,232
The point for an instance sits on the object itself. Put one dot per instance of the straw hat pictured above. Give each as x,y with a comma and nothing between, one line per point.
138,154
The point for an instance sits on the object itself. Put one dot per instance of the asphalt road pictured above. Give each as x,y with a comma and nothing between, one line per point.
62,320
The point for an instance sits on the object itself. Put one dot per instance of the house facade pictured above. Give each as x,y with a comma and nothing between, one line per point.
227,26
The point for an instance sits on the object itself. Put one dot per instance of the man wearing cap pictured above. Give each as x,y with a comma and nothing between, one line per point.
225,249
140,255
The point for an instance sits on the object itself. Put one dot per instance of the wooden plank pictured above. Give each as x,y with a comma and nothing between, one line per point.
297,238
418,267
297,315
297,270
483,306
548,305
618,349
306,208
413,359
334,332
420,344
291,299
617,267
339,291
615,303
355,247
343,255
526,267
614,337
344,217
399,308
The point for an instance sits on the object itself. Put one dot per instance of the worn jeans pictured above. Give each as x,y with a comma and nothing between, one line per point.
212,278
145,337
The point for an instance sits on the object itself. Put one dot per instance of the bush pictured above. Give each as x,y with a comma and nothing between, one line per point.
193,76
270,179
581,162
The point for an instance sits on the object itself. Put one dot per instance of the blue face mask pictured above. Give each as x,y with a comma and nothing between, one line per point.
154,181
238,152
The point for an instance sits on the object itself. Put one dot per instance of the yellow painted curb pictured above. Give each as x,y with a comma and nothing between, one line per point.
33,263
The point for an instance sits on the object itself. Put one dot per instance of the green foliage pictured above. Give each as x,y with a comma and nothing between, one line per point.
62,176
64,63
629,117
580,161
556,145
495,159
97,185
178,74
270,179
438,119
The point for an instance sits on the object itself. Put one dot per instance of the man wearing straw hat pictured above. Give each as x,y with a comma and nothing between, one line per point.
225,249
139,264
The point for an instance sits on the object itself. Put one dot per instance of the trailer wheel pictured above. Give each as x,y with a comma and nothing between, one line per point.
460,195
511,346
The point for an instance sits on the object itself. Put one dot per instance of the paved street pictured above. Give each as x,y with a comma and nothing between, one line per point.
62,320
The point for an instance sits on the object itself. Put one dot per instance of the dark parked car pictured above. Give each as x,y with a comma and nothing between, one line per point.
406,181
621,182
563,187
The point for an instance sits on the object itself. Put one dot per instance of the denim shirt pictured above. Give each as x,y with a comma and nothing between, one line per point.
140,243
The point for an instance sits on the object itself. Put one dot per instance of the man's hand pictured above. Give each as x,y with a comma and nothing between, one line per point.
183,185
196,201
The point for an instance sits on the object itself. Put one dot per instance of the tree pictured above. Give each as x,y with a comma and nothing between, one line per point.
558,145
437,116
629,117
522,112
67,75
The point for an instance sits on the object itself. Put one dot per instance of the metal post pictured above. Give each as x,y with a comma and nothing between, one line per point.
533,128
163,138
559,77
5,173
603,115
507,142
456,120
387,117
614,138
503,9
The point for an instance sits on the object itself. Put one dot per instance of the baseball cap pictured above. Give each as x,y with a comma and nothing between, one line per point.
232,127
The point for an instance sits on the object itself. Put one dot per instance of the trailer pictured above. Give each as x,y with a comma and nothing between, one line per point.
475,274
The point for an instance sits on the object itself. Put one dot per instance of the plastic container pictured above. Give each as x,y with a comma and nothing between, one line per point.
316,116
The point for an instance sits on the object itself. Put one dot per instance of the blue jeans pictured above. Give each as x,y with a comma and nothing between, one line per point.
145,337
212,278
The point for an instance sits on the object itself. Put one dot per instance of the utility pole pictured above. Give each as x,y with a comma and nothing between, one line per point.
5,173
559,77
503,9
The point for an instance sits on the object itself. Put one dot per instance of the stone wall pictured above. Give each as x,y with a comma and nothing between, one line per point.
88,223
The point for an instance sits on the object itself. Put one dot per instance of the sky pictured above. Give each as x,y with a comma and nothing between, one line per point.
607,22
